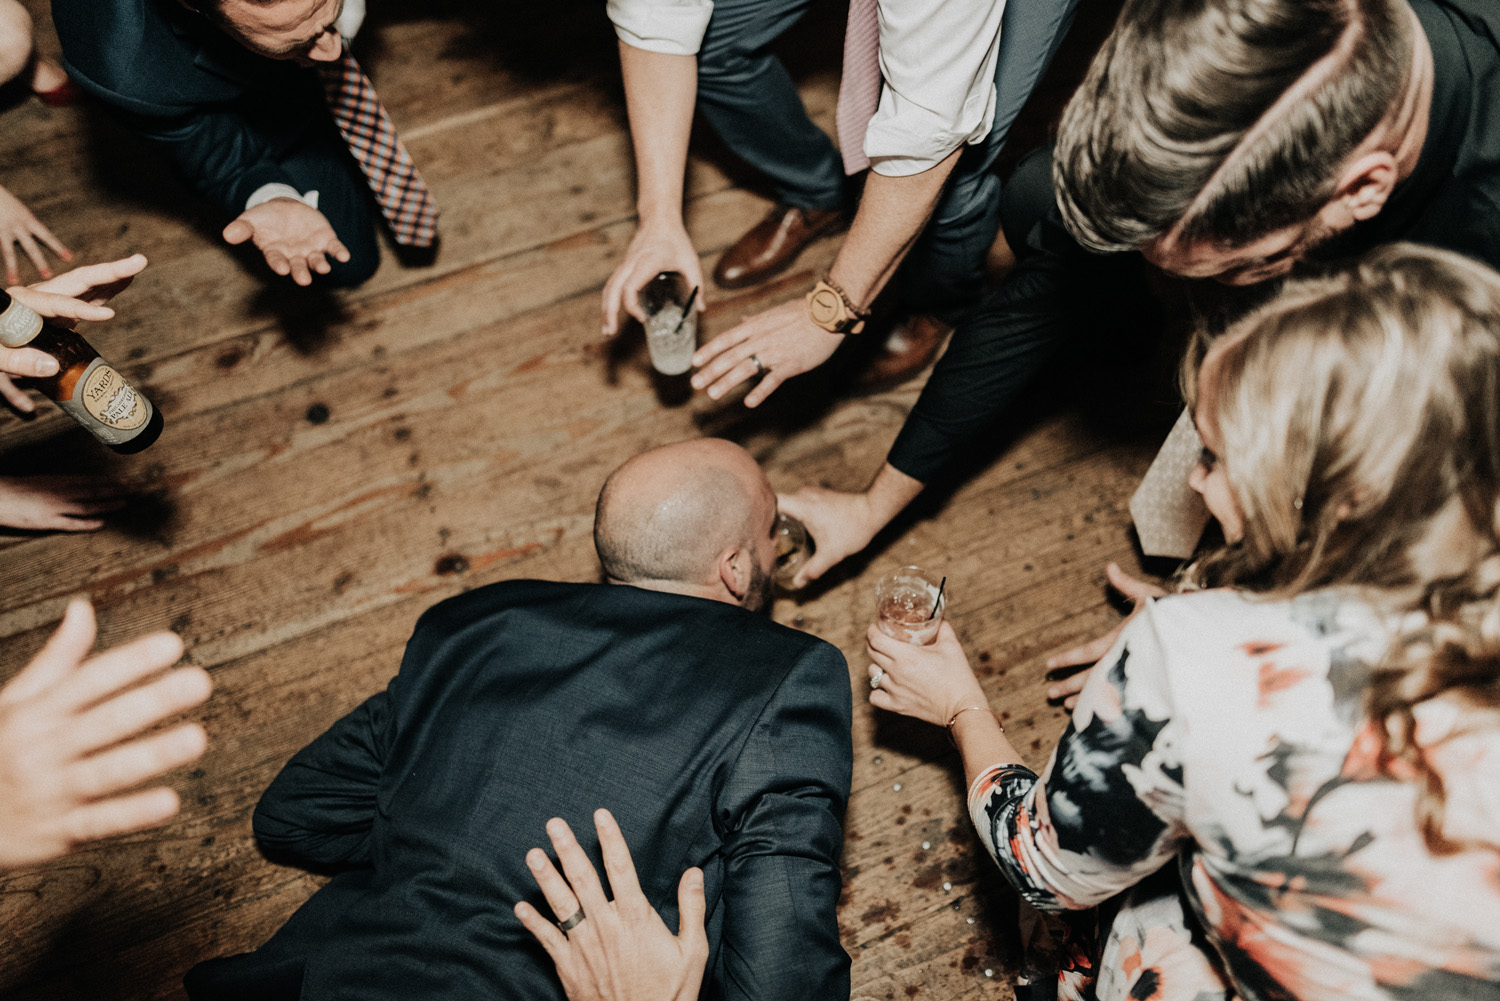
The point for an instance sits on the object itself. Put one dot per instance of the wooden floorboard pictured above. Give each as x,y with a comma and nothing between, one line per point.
336,463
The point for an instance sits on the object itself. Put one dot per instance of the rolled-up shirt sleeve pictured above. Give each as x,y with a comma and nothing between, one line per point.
671,27
937,60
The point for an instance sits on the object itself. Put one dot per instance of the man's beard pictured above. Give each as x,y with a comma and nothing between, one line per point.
758,594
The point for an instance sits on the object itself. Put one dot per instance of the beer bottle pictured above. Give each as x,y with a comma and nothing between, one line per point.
86,386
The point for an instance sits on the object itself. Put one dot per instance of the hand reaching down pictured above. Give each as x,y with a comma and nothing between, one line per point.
772,346
1081,659
653,249
18,226
59,503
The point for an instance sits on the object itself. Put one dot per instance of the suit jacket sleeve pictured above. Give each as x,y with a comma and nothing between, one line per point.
216,150
129,54
783,807
996,352
320,809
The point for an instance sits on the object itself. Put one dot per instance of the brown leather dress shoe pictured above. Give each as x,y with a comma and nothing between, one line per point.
910,347
773,244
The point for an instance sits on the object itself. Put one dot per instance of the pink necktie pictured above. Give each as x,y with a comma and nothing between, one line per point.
399,190
859,89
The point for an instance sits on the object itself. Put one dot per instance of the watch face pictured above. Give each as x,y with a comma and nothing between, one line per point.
824,306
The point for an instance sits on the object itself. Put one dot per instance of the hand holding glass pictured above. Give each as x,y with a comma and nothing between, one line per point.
671,322
909,605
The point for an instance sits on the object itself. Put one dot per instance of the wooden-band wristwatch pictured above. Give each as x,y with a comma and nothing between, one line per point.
830,308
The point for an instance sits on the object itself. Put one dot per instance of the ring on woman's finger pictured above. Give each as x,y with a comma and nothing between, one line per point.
571,923
760,368
877,677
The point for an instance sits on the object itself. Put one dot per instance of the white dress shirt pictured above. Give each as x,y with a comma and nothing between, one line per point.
937,60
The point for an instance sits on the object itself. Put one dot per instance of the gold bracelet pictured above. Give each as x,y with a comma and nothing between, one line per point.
954,719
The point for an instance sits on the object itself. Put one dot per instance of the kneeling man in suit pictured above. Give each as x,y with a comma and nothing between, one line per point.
250,100
716,737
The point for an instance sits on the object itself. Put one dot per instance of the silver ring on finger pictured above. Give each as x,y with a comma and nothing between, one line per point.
571,923
760,367
877,677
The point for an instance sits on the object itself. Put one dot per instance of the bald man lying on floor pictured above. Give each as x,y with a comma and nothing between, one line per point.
718,739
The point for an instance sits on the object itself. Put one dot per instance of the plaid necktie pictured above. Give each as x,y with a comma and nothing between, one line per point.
859,88
399,190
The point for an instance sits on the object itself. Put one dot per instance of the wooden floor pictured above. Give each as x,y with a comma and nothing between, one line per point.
334,464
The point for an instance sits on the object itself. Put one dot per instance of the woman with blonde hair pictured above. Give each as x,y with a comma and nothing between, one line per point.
1311,731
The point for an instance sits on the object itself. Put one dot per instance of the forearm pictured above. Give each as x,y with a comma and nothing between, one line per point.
983,744
218,153
891,216
660,91
888,494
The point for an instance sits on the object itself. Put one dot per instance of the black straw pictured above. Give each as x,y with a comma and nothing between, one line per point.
692,296
938,600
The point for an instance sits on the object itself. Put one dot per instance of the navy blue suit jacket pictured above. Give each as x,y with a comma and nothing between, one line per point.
716,737
223,115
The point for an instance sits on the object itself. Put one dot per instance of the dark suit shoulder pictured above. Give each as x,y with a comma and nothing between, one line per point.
547,610
154,58
462,609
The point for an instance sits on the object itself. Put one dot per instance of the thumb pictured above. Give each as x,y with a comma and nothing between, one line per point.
690,909
816,566
60,657
238,231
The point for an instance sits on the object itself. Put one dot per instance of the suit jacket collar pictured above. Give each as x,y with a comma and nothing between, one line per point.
214,51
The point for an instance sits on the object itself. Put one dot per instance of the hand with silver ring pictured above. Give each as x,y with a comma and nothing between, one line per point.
877,677
772,346
624,952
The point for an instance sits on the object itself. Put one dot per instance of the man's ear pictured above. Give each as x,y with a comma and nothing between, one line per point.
1365,184
734,571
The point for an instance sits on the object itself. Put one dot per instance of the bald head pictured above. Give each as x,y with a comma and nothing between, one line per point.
670,513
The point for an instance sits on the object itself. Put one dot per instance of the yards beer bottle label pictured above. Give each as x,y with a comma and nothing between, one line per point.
106,404
86,386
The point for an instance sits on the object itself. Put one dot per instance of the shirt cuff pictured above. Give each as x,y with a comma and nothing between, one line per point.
905,138
276,189
670,29
351,18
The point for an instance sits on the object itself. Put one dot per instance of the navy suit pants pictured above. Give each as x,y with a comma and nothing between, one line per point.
749,99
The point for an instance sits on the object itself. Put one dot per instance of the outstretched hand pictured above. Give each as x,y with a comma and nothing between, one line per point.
59,503
71,743
1069,662
782,339
75,295
295,238
621,950
19,226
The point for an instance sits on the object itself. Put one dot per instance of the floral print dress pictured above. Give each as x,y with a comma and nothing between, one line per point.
1226,734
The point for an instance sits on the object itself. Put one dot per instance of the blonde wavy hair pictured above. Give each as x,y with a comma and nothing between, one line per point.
1359,414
